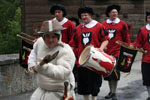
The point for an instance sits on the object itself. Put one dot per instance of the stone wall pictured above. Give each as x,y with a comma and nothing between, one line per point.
13,78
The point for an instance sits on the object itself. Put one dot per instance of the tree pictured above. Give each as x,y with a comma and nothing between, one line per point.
10,26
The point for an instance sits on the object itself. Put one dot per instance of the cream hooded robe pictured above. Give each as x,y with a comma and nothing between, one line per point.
51,76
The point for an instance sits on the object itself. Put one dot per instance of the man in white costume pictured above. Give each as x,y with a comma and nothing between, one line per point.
52,75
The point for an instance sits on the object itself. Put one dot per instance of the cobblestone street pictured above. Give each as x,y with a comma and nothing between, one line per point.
129,88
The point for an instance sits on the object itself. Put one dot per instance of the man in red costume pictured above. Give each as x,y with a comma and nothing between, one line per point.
89,32
59,12
143,40
118,30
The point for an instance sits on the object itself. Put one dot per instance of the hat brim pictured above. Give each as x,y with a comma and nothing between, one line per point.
47,32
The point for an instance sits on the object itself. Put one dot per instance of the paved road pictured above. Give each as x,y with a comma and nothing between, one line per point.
129,88
23,96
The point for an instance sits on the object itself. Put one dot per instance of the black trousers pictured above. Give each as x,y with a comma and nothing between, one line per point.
89,82
115,75
145,73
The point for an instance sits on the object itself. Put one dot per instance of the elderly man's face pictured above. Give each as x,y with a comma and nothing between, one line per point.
113,14
51,39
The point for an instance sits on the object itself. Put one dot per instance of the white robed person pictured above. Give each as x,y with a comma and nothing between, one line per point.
51,75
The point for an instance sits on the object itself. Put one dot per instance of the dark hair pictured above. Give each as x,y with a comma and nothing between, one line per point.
85,9
75,20
57,35
111,7
58,7
147,14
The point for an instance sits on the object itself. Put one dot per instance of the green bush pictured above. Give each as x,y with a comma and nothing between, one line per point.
10,26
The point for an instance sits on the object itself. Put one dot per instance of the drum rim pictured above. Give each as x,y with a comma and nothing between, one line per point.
83,52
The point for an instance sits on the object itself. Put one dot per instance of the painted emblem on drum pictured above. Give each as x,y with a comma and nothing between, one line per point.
105,63
86,38
112,33
111,58
148,37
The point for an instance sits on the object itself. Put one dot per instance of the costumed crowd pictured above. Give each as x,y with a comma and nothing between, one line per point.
55,56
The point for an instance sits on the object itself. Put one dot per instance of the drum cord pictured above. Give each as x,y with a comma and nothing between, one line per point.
115,71
54,92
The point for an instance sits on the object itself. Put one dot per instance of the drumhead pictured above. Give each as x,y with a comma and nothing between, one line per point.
85,55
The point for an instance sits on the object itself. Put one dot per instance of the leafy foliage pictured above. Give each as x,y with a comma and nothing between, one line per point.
10,26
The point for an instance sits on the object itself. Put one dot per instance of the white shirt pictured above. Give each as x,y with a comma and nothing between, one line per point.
116,21
91,24
63,21
148,26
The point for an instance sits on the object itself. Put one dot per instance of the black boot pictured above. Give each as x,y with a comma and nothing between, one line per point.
148,98
110,94
114,97
75,90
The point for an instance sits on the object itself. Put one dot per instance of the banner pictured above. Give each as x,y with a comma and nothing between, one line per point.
126,59
26,48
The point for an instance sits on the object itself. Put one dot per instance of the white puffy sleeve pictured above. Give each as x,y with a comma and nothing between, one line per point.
32,59
65,61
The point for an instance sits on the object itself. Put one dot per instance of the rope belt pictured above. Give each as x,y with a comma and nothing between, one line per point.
54,92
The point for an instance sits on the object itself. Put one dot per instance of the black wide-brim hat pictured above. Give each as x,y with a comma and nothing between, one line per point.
75,20
58,7
85,9
147,14
111,7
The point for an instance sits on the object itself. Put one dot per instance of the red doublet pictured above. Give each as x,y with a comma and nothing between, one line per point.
143,40
88,36
116,32
67,33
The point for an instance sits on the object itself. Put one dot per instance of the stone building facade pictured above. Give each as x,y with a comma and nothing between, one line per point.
36,11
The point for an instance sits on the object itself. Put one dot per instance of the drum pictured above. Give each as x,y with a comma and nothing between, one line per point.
96,60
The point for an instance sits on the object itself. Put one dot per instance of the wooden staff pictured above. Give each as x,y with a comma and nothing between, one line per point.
26,39
29,36
132,47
